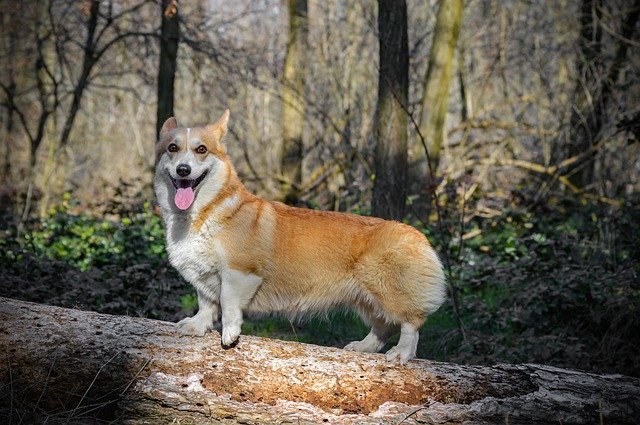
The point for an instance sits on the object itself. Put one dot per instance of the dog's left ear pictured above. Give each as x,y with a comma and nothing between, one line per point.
219,128
169,124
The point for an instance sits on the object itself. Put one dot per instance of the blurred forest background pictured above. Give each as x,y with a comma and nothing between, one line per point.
507,131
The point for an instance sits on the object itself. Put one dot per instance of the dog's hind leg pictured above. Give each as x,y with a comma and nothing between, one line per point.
374,341
407,345
380,332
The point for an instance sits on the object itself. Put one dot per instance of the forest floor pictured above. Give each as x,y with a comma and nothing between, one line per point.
558,285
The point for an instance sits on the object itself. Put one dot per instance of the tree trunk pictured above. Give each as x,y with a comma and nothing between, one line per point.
436,88
63,365
594,103
293,101
9,46
583,126
169,41
390,124
88,61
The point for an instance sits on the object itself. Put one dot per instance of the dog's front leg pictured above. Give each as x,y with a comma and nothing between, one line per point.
208,313
237,291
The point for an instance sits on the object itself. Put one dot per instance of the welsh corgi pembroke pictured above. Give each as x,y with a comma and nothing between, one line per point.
246,254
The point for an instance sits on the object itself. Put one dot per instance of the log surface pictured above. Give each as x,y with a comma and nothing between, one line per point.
64,365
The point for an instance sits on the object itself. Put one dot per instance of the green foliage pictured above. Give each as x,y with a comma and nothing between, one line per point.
556,286
189,302
113,265
84,241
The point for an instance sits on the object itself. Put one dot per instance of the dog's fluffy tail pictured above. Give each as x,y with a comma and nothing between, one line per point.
436,286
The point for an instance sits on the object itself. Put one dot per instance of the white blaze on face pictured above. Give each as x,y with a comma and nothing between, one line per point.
185,195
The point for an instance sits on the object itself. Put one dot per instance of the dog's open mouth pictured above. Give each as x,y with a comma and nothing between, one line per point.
185,190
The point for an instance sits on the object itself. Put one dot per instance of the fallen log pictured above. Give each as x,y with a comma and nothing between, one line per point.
68,366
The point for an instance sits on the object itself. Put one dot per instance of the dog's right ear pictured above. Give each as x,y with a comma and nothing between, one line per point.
169,124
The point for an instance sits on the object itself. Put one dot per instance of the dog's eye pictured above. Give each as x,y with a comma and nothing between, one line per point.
172,147
201,149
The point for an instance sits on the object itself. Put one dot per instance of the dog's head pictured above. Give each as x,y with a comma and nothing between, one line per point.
185,157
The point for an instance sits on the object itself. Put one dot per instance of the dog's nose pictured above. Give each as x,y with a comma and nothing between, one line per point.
183,170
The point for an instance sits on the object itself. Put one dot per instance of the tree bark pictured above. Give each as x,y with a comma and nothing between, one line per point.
437,79
390,125
9,46
293,101
169,41
72,366
88,61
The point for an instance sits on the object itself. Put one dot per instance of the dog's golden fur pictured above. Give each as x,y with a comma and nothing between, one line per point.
268,256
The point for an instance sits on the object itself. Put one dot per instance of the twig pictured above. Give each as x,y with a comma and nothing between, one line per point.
136,375
462,212
10,393
600,415
293,329
413,412
90,386
46,382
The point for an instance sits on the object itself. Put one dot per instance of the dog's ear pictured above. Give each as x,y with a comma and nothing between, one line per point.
169,124
219,128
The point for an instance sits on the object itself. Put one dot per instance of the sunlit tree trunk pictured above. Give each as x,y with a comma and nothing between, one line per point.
83,367
390,126
436,89
169,40
293,101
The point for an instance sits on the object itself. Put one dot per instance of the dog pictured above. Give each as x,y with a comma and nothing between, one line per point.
246,254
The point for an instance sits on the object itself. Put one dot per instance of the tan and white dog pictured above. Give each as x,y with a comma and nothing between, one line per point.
243,253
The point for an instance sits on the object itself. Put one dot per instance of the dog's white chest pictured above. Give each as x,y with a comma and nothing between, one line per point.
193,256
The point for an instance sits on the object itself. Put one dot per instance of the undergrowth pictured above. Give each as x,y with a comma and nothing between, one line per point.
556,285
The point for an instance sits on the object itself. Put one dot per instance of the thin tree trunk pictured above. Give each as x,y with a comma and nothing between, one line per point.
46,88
169,42
390,125
6,166
584,123
437,80
594,90
293,101
10,47
88,61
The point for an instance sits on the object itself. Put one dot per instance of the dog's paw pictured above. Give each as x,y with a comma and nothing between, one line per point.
354,346
230,335
399,354
194,326
364,346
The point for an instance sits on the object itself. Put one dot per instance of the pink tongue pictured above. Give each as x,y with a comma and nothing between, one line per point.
184,198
